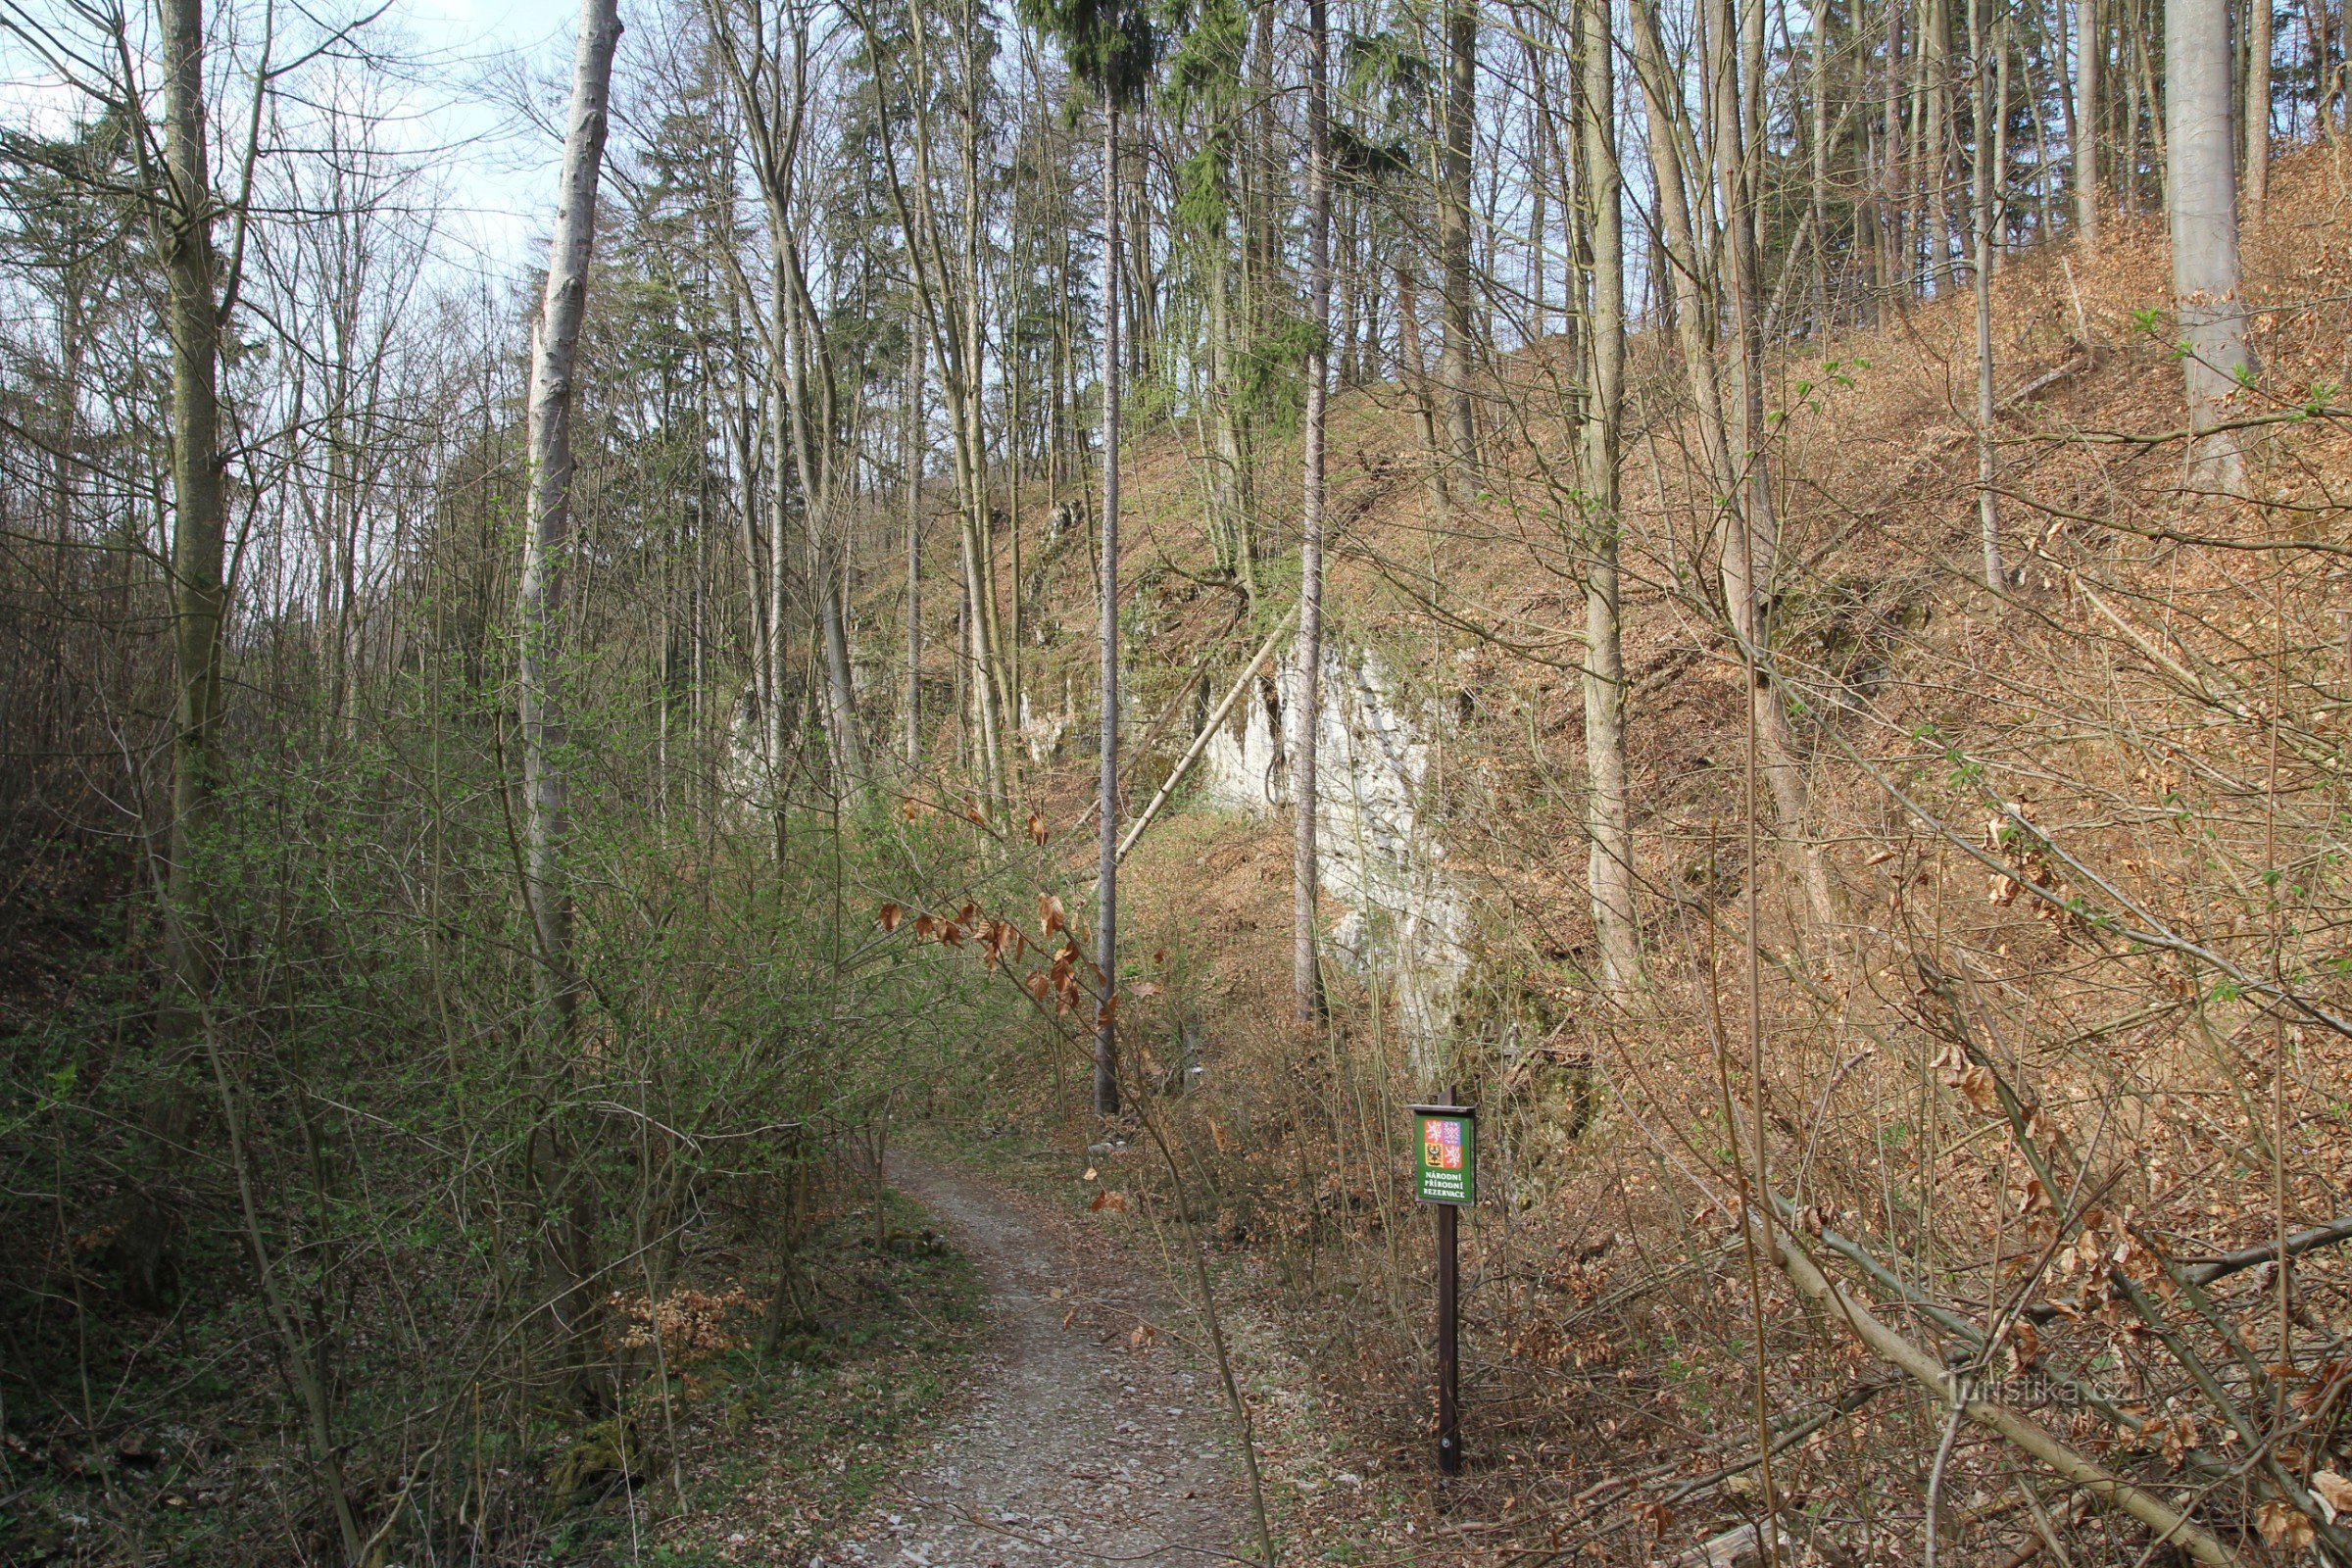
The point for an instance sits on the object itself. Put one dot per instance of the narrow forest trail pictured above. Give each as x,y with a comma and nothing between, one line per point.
1076,1441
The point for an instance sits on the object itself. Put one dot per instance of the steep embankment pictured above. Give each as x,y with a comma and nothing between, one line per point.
2084,838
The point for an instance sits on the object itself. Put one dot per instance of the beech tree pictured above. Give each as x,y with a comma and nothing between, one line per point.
2201,201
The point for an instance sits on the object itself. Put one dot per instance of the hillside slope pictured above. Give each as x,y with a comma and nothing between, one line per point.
2147,728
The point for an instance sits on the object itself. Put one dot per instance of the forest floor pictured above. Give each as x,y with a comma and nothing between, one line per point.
1081,1434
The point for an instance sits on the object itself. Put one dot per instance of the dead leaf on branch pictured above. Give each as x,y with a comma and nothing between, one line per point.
2283,1525
1975,1084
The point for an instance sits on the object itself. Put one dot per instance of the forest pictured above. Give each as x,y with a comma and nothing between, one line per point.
769,873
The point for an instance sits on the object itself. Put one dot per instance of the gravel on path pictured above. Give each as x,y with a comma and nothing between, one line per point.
1082,1439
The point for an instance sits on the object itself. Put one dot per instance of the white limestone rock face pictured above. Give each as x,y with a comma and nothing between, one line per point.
747,780
1405,921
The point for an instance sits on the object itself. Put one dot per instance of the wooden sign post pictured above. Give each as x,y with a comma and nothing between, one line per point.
1446,1173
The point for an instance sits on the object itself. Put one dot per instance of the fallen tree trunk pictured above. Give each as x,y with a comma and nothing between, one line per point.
2170,1524
1192,754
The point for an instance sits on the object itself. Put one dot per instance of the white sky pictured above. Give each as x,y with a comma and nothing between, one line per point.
503,170
459,69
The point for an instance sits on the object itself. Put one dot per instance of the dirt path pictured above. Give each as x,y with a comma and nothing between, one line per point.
1073,1445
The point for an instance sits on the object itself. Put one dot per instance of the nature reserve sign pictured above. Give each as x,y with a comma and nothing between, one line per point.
1446,1158
1446,1173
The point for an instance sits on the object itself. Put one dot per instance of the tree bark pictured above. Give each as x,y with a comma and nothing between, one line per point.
1306,978
547,537
1453,232
2089,44
1745,537
1983,174
1107,886
2201,196
200,514
915,543
547,543
1609,816
2258,105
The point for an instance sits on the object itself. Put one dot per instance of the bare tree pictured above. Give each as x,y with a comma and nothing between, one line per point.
1306,979
2201,199
184,219
1460,130
2090,47
1609,816
1112,47
2258,104
547,536
1984,174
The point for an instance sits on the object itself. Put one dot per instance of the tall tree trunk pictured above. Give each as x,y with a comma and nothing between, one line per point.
1306,977
1936,168
198,513
779,515
1746,536
1893,235
1818,185
2157,134
1608,814
915,543
2323,69
2089,45
841,681
812,396
2258,104
1983,174
1453,231
1414,370
547,543
1107,885
2201,195
547,536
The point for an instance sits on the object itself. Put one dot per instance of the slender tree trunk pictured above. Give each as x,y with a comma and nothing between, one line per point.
1983,174
1107,886
547,537
2258,104
1818,187
1893,235
1936,167
1745,532
1918,260
1453,231
2323,69
2089,44
915,543
779,513
2157,134
841,681
547,545
1306,977
1414,370
1998,190
199,509
1608,817
2201,194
